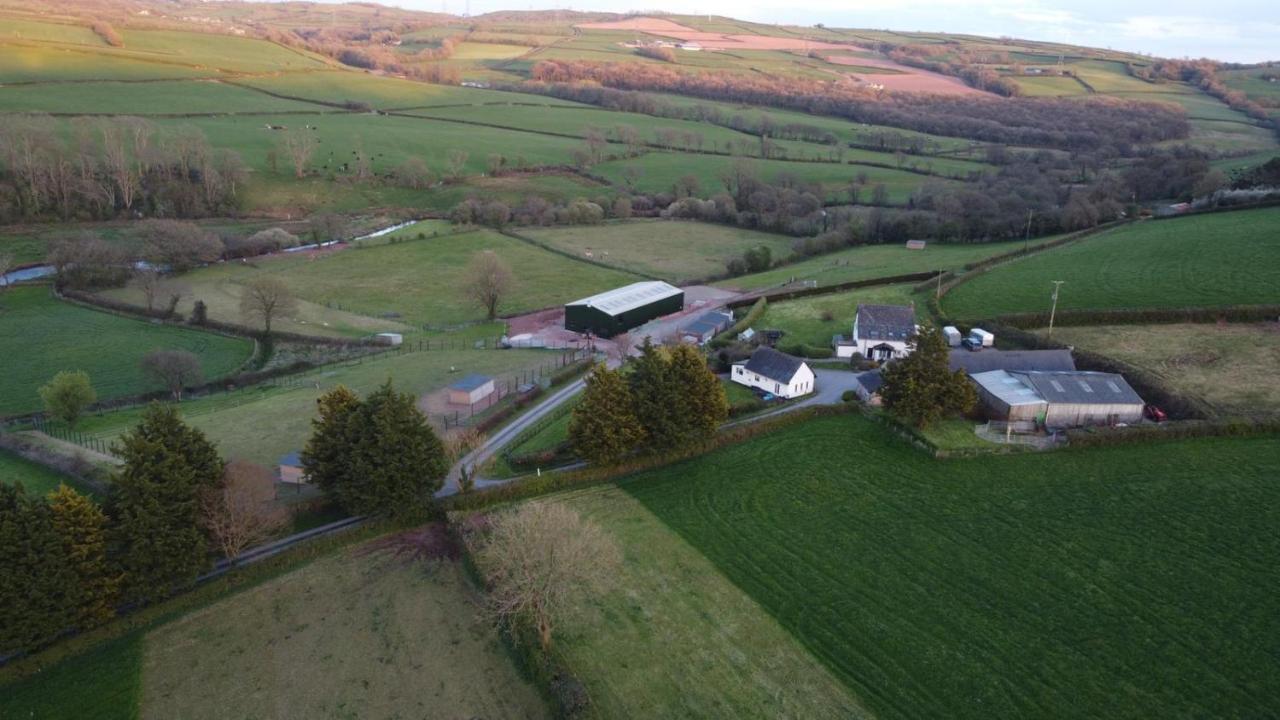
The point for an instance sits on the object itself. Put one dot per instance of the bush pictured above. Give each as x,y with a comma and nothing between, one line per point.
849,396
805,350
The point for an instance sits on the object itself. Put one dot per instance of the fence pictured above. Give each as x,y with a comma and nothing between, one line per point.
508,389
72,436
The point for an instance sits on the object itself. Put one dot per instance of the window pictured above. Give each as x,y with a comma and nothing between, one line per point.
1085,386
1114,387
1057,386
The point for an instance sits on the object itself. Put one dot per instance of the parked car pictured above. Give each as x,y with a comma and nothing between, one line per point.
1154,414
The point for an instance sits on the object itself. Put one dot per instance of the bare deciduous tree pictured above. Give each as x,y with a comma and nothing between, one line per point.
242,512
540,561
488,281
178,245
175,369
264,299
456,163
413,173
298,145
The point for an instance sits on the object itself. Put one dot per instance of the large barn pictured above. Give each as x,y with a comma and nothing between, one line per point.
1058,399
621,309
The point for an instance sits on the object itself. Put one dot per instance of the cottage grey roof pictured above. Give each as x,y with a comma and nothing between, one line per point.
777,366
470,382
885,322
629,297
986,360
1087,388
293,459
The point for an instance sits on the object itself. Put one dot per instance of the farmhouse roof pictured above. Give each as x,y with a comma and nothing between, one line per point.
1087,388
293,459
471,382
885,322
629,297
986,360
775,365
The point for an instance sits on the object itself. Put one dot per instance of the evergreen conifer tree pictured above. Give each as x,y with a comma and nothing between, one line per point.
81,526
326,455
921,388
656,398
155,533
702,403
37,582
604,427
396,460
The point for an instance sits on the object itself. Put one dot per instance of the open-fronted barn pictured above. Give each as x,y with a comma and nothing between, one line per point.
618,310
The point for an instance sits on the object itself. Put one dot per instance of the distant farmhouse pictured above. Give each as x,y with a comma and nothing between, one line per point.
1061,399
707,326
880,332
774,372
622,309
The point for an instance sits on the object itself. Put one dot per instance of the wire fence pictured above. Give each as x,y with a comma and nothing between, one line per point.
71,435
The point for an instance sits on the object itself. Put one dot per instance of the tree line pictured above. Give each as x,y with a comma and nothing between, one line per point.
110,166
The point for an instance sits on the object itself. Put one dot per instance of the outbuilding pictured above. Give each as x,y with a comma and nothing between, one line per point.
621,309
470,390
707,326
389,338
290,470
774,372
1058,399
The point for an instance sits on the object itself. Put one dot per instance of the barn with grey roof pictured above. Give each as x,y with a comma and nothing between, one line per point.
1058,399
621,309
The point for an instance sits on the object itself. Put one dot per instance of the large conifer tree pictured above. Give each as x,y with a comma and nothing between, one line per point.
155,536
701,401
657,399
81,526
921,388
327,453
604,427
37,582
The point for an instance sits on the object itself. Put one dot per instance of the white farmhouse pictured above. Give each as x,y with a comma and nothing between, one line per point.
880,332
774,372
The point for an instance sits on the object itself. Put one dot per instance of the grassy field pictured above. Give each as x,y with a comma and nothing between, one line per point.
352,635
416,282
674,250
353,630
263,423
1231,367
384,92
37,479
870,261
803,320
1208,260
1050,86
40,336
1030,585
661,170
677,639
176,96
39,63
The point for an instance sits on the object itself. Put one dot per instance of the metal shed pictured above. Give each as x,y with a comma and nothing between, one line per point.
1058,399
618,310
470,390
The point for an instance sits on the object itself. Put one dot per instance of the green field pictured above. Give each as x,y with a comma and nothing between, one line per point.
37,479
1228,258
803,320
677,639
871,261
40,336
356,629
675,250
150,98
411,283
384,92
1120,582
1231,368
263,423
1051,86
661,170
38,63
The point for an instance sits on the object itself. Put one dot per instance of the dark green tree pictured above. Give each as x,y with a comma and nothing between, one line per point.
657,399
395,461
37,582
701,400
604,427
326,455
82,528
921,388
155,534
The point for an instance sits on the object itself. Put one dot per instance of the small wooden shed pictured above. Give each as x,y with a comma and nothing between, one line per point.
470,390
291,470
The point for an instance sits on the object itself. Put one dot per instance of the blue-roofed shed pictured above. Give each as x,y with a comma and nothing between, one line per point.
291,469
470,389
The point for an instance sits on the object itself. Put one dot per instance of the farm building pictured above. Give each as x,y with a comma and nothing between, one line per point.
290,470
987,360
880,332
1058,399
470,390
774,372
868,387
707,326
389,338
621,309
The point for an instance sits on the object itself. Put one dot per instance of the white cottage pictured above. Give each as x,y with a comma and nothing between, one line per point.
774,372
880,332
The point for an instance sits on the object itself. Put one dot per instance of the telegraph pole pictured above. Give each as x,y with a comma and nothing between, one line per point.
1026,238
1056,284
